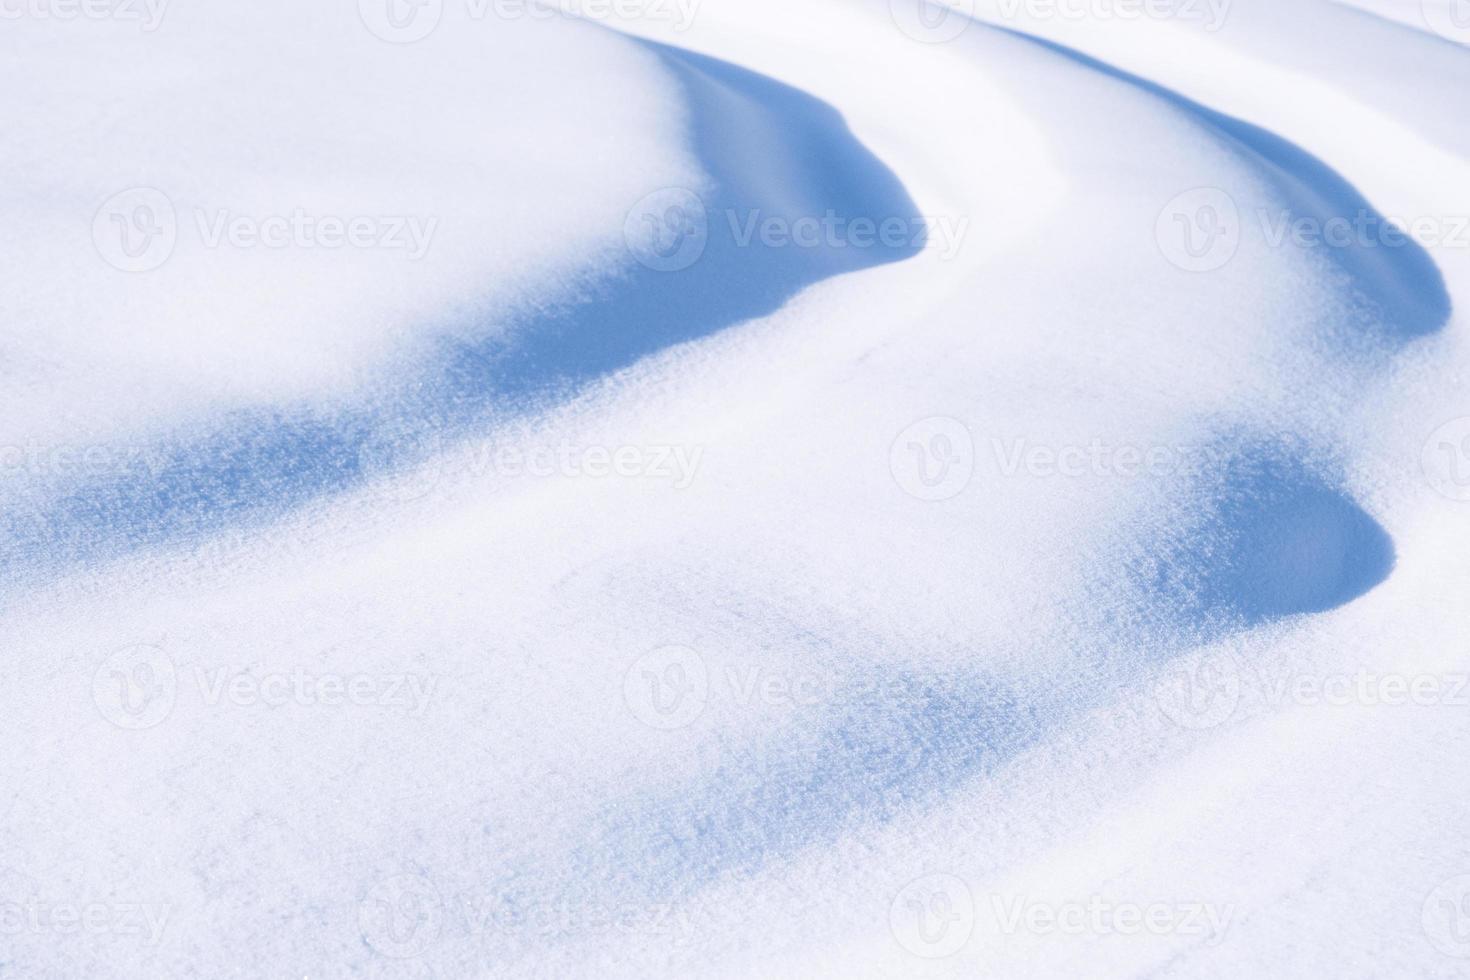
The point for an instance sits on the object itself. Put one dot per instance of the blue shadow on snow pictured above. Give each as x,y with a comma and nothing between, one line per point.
770,152
1401,282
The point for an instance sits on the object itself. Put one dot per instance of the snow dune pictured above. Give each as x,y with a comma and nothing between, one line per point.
839,476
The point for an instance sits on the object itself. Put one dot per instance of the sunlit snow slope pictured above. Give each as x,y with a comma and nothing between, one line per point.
740,488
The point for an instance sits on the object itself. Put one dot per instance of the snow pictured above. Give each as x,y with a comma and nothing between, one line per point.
775,489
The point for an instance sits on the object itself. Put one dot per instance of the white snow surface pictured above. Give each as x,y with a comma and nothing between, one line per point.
338,643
